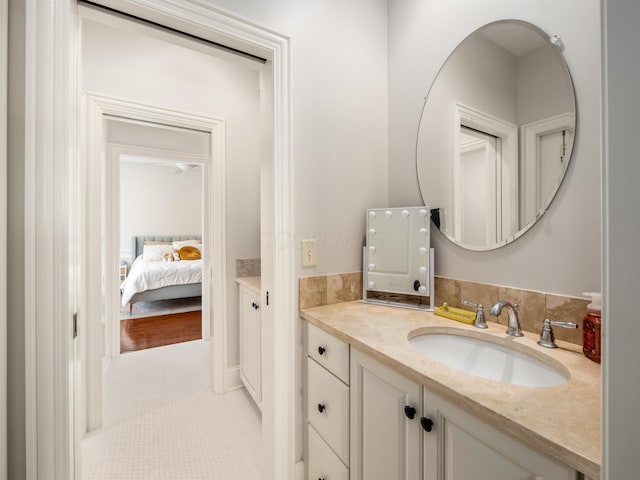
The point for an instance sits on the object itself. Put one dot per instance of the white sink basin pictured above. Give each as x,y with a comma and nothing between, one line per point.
488,360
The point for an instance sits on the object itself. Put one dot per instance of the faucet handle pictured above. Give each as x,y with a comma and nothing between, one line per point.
479,321
547,338
469,304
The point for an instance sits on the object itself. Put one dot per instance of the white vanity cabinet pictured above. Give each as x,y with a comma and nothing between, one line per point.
327,406
460,447
390,419
250,341
385,440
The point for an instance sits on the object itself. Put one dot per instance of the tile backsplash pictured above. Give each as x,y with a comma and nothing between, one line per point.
247,267
329,289
533,307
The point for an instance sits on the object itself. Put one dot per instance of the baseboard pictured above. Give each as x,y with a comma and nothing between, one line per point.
300,470
233,381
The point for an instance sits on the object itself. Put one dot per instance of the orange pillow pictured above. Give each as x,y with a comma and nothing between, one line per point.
189,252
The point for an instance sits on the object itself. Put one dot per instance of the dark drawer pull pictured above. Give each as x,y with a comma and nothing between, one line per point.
426,423
321,350
409,412
321,407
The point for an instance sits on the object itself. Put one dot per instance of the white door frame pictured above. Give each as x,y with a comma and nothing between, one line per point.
51,117
103,218
4,27
506,166
531,201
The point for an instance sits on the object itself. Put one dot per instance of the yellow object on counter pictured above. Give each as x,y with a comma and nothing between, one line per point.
457,314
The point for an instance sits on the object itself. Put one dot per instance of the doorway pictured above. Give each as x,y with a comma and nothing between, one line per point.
56,170
117,92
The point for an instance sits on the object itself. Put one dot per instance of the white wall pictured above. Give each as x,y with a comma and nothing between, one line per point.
561,253
621,240
156,201
148,70
542,91
16,181
339,103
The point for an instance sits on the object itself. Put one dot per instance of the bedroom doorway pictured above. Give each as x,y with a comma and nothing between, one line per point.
161,193
111,122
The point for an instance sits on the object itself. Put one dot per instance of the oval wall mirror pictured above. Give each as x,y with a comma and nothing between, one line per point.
496,134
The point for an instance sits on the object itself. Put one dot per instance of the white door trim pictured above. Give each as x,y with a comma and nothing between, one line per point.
104,174
531,201
4,54
50,153
51,144
506,166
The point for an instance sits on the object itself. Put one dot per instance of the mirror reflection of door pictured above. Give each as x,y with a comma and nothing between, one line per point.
552,162
478,211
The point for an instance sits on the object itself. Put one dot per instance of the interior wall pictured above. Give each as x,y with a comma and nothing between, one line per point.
16,417
621,239
148,70
146,208
339,111
561,253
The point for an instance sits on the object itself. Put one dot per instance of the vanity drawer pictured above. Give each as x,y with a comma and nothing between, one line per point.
322,462
328,351
328,408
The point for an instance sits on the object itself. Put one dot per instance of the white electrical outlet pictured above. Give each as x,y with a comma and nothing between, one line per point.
309,253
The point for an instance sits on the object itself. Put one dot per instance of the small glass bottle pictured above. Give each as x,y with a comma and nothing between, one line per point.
591,328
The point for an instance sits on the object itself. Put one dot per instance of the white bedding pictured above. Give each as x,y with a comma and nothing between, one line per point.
151,275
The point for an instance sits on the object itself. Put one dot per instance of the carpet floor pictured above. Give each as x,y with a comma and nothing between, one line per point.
162,422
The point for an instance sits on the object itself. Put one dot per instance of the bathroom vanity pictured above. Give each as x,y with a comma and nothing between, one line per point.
379,408
250,336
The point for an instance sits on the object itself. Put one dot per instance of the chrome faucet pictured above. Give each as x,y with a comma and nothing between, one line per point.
513,327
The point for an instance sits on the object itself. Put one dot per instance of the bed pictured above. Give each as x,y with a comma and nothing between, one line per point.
160,280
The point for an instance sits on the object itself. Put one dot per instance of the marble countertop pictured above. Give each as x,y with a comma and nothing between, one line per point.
252,283
561,421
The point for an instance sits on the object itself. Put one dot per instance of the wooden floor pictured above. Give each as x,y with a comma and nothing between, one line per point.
149,332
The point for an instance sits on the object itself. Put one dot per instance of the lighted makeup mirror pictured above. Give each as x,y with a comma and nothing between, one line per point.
398,258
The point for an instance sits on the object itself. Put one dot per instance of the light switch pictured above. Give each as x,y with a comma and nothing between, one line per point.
309,253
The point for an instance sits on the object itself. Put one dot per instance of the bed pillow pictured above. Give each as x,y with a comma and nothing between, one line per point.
189,252
178,244
155,253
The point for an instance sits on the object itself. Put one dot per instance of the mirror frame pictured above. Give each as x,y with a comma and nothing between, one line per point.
545,204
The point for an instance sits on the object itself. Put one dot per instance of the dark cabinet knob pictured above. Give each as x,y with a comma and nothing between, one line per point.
255,306
321,350
426,423
409,412
321,407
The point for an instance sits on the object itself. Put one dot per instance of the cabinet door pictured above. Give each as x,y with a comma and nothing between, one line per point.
385,443
461,447
250,343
